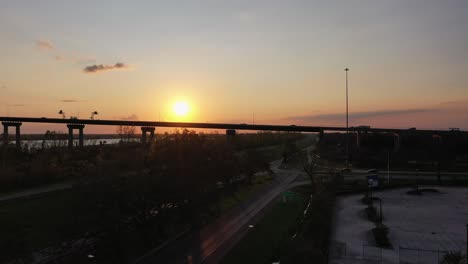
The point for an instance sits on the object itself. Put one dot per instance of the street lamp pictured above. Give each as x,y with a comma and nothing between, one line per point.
347,122
61,112
93,114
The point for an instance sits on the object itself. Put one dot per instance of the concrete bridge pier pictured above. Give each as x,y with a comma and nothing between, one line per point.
145,130
80,128
17,125
230,133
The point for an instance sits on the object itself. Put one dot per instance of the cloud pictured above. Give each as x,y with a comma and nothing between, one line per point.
462,104
59,57
358,115
45,45
85,60
100,68
132,117
15,105
437,116
69,101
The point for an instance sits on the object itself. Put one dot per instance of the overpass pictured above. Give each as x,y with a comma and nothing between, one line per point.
149,126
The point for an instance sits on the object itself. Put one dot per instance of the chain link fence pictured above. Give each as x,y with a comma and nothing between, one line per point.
420,256
369,254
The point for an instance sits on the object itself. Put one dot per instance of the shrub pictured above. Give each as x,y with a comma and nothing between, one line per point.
381,235
372,213
454,258
366,199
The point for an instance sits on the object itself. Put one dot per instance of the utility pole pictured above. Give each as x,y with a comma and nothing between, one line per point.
388,167
380,205
347,122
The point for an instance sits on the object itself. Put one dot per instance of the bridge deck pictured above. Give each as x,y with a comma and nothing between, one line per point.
292,128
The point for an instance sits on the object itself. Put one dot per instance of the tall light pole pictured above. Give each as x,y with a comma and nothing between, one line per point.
347,122
93,114
61,112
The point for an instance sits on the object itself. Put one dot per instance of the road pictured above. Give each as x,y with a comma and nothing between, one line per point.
401,175
33,192
212,242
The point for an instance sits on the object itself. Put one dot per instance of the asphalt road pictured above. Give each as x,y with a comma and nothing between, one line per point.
362,174
28,193
213,241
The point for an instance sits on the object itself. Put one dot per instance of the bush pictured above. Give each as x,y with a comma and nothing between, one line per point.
381,235
454,258
14,247
372,213
368,199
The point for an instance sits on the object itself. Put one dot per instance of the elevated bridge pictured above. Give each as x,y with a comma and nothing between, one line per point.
148,126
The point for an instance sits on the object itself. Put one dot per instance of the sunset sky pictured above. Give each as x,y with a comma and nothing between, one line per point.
282,61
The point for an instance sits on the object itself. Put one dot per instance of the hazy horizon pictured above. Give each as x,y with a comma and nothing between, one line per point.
276,62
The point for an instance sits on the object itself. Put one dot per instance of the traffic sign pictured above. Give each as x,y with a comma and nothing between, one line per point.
372,180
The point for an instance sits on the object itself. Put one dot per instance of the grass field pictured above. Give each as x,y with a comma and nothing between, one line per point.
263,244
43,221
244,193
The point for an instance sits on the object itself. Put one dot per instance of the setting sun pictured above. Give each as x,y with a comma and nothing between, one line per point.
181,108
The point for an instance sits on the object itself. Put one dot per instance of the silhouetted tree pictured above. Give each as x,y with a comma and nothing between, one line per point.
126,133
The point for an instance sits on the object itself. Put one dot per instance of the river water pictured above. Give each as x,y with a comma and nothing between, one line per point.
64,143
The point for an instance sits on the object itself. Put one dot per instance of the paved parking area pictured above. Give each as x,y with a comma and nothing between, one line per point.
421,227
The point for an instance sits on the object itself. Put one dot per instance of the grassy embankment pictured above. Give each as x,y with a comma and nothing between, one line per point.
265,242
270,153
286,235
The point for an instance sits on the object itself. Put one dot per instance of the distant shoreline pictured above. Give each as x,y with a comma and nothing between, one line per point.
65,136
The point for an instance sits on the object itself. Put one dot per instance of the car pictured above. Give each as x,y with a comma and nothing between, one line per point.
346,172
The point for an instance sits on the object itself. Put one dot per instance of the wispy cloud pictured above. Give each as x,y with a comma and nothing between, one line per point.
45,45
101,67
130,117
48,47
59,57
69,101
358,115
438,116
246,16
462,104
15,105
85,60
